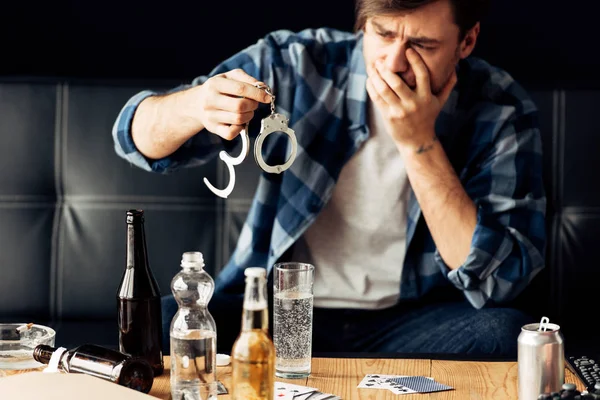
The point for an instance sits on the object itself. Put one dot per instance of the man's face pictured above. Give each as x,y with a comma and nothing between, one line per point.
430,30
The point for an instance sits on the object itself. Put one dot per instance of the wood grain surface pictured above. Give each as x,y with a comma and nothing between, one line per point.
474,380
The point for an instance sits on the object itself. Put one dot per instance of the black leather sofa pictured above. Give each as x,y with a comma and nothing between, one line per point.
64,193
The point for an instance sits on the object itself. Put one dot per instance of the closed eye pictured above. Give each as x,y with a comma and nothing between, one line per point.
422,46
385,34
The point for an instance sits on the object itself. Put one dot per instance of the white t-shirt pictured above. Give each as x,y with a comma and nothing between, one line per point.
358,241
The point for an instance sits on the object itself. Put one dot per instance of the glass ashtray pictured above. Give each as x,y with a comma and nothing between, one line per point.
16,348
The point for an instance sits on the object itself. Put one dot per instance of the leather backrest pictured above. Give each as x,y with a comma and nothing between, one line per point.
64,193
567,287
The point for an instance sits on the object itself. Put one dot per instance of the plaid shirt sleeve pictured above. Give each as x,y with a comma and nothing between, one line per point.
256,60
504,178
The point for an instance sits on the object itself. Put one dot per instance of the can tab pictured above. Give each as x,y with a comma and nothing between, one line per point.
543,324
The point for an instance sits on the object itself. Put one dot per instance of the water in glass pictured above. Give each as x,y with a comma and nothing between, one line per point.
292,325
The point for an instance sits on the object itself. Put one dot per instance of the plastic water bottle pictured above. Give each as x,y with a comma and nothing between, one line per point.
193,333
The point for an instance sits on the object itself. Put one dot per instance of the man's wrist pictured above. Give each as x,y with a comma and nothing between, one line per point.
187,105
425,144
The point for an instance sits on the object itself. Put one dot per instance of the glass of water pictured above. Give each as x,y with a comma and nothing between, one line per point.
293,319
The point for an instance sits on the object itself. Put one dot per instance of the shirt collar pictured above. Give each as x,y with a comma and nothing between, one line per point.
356,94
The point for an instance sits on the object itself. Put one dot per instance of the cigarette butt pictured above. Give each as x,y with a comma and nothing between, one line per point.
25,327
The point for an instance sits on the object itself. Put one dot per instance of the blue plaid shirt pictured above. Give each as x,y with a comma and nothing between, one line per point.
488,129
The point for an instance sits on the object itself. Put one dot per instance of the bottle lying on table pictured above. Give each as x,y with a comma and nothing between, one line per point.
111,365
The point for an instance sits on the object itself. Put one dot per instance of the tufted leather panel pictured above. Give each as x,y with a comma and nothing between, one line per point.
63,196
27,197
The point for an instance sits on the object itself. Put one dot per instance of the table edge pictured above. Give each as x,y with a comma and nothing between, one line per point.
418,356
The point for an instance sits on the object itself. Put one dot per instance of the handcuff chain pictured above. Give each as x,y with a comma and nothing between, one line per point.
276,122
267,90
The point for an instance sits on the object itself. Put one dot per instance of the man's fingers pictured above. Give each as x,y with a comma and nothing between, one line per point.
396,83
445,93
382,88
420,70
374,95
237,88
240,75
227,132
233,104
231,118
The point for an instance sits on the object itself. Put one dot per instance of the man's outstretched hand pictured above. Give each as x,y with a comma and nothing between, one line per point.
226,102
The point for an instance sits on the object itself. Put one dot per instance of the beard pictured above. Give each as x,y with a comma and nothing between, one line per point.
437,87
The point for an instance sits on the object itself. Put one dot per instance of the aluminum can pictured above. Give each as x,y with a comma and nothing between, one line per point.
541,362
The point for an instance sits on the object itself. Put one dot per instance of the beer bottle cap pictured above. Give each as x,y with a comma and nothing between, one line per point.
135,216
192,259
255,272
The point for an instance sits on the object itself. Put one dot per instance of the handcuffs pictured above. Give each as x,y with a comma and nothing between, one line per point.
273,123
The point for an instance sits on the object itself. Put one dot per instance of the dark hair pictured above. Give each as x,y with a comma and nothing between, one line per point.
466,12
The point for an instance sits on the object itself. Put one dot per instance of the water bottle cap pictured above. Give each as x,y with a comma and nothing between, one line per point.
255,272
223,360
192,259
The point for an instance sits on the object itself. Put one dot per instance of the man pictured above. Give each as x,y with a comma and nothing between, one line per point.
417,190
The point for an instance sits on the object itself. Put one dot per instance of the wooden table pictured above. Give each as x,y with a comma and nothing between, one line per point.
475,380
340,376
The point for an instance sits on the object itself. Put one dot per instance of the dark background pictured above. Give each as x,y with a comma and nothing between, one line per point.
544,44
56,146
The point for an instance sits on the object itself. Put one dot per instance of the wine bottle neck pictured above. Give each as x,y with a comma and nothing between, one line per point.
137,254
138,281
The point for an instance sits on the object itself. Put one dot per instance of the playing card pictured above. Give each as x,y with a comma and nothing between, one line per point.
282,394
321,396
397,388
305,396
294,390
379,381
421,384
317,396
221,389
375,381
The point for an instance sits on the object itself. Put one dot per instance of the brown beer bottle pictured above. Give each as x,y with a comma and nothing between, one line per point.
138,297
101,362
253,353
